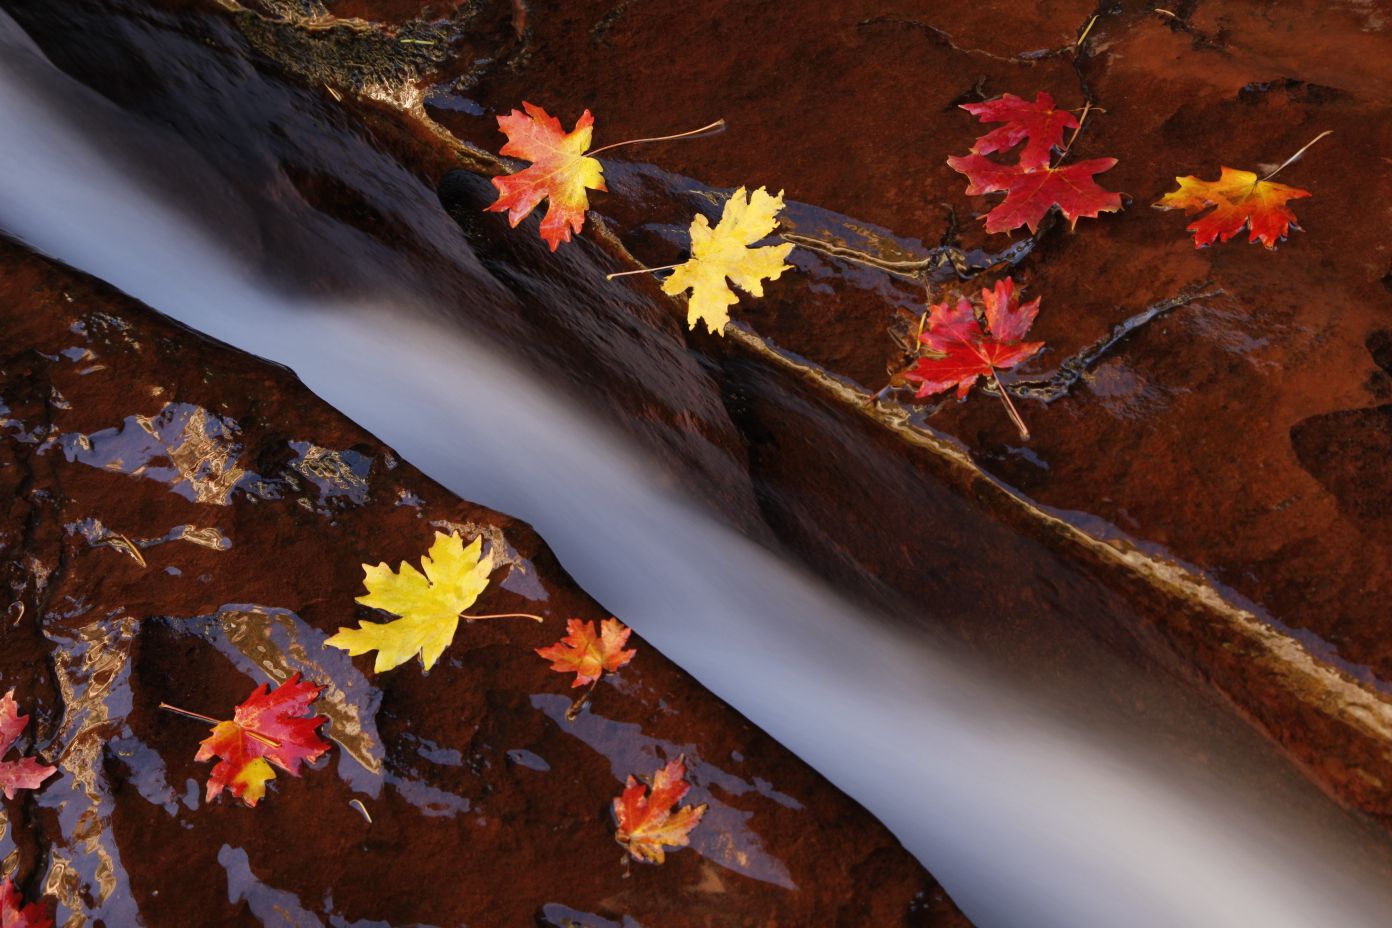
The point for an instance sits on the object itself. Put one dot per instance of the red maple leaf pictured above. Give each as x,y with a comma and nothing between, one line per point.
268,726
559,170
961,350
1038,122
1031,194
27,772
12,915
589,655
648,823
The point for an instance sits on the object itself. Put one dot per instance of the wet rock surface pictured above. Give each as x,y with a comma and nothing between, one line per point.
184,521
1234,438
1199,511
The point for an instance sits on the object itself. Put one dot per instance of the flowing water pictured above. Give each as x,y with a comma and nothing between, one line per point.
1029,820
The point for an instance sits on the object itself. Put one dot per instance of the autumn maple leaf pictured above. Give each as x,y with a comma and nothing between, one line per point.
1239,199
1029,195
1038,122
27,772
724,252
648,823
268,728
430,604
559,170
589,655
961,351
13,915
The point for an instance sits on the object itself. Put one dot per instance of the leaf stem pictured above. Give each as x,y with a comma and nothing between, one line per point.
504,615
642,270
1087,108
876,397
1295,156
918,336
1083,38
579,704
1010,407
717,126
212,721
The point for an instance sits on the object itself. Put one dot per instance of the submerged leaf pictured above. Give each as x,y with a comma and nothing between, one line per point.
15,915
724,252
26,772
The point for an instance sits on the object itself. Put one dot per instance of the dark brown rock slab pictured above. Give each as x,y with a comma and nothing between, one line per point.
184,521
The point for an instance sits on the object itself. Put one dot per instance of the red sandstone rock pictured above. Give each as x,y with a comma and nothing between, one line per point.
183,521
1205,506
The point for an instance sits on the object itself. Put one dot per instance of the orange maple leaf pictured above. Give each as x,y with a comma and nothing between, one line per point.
647,823
13,915
589,655
1239,199
25,773
268,726
559,170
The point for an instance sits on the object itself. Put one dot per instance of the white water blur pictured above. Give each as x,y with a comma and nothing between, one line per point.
1027,824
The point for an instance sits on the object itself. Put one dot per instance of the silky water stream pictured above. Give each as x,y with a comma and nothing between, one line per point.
1028,821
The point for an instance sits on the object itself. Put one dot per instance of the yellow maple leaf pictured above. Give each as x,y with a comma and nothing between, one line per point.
429,603
724,252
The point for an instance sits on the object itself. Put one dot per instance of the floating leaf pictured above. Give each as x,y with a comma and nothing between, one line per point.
12,915
1029,195
559,170
1239,199
1038,122
589,655
270,727
724,252
648,823
26,772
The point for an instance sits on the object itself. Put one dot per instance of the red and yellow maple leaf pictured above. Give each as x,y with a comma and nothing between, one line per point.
14,915
1240,200
587,654
267,727
1029,195
559,170
27,772
1038,124
649,821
